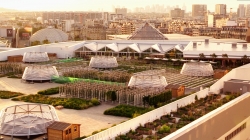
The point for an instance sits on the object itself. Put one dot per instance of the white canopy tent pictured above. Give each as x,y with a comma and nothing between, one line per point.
103,62
35,57
148,79
39,73
197,69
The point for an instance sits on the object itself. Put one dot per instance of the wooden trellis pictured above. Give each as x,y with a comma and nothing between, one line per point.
125,95
16,68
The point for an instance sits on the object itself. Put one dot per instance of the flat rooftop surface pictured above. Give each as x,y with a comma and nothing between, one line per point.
217,126
91,119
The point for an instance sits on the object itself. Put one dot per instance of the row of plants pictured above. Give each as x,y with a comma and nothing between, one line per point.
8,68
156,99
18,76
63,80
132,68
70,103
113,76
9,94
50,91
133,111
127,111
61,65
173,121
69,60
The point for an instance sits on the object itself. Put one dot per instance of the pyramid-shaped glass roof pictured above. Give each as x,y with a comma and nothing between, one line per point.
147,32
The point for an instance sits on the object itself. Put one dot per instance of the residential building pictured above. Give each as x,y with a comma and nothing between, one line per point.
122,11
97,32
212,20
248,10
210,31
241,12
76,16
177,13
128,28
238,32
116,16
221,22
221,9
199,10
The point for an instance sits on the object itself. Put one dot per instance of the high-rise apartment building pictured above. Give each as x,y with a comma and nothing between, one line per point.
128,28
248,10
122,11
177,13
221,9
241,12
199,10
76,16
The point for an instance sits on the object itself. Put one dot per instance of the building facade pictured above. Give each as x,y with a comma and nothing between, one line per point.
199,10
241,12
248,10
97,32
238,32
122,11
212,19
221,9
177,13
128,28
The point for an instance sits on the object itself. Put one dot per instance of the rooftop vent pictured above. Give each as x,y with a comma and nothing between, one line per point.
206,41
218,43
194,44
234,45
244,46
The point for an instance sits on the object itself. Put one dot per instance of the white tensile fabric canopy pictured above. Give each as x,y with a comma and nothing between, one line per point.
197,69
39,73
35,57
103,62
147,79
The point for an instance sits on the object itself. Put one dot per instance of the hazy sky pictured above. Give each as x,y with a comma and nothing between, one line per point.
107,5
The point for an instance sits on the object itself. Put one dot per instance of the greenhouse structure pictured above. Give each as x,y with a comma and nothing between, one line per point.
27,119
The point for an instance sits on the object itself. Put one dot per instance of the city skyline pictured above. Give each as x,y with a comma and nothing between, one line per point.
94,5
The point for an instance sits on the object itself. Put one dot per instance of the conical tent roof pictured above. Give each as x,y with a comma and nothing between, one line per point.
147,32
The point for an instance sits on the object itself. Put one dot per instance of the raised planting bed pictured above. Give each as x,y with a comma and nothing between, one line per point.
166,125
9,94
70,103
134,135
143,130
127,111
49,91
